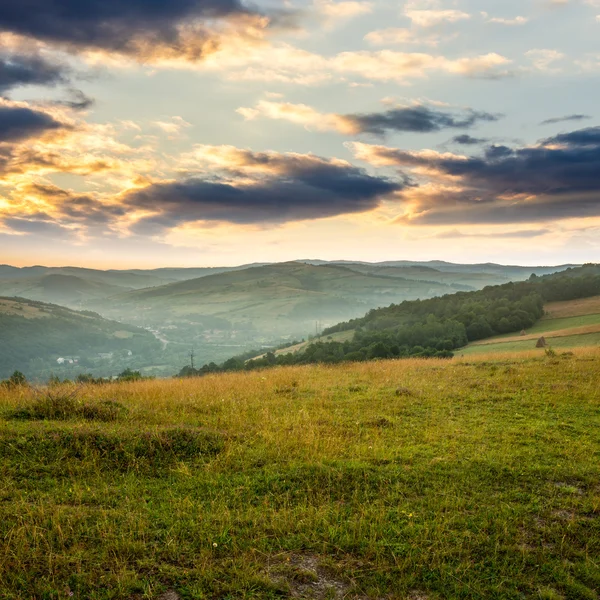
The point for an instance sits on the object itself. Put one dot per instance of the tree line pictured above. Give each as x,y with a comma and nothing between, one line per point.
435,327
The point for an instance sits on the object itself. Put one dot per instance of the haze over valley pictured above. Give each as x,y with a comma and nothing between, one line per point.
214,313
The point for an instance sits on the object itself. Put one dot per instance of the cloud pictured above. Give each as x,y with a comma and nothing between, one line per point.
563,119
544,59
522,233
300,114
18,70
38,227
47,210
336,13
509,22
256,188
418,118
19,122
77,101
172,127
141,30
388,65
467,140
431,18
558,178
397,35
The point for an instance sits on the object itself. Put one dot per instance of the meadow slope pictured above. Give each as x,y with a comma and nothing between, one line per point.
566,325
411,479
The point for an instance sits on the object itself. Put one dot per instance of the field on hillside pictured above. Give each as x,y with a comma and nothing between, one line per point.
572,324
413,479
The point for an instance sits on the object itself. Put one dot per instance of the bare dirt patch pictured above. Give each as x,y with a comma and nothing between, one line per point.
169,595
307,576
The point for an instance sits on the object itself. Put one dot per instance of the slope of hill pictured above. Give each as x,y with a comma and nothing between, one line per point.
34,335
568,324
281,298
59,288
395,480
496,273
459,277
439,326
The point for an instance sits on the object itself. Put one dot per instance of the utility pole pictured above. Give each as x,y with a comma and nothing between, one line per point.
192,358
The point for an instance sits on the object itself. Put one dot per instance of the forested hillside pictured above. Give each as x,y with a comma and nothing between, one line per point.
438,326
35,335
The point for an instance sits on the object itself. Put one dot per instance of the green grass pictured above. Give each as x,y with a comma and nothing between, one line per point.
411,479
550,325
568,341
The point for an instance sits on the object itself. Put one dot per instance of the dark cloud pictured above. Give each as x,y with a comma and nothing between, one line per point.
41,227
19,70
68,213
563,119
559,178
76,209
467,140
18,123
77,101
113,25
416,119
291,188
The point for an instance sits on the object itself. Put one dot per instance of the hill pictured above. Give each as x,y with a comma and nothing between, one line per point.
568,324
36,282
59,288
435,327
285,298
35,334
412,479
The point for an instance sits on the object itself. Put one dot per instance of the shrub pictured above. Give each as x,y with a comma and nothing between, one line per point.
15,380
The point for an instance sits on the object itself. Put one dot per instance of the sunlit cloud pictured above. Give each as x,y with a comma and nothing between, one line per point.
399,36
509,21
430,18
416,118
162,31
556,179
337,13
545,59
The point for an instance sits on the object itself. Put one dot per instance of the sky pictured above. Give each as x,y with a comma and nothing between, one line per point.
154,133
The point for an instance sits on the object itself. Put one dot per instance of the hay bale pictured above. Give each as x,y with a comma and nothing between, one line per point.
541,343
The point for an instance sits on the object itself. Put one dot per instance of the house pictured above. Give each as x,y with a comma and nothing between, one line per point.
69,360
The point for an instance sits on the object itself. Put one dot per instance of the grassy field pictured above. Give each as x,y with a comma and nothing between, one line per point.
414,479
573,308
572,324
563,342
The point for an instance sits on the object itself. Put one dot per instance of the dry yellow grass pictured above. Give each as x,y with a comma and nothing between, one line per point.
573,308
434,479
11,307
551,334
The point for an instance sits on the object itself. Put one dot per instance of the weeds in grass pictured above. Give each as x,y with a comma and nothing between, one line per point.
63,405
121,451
485,486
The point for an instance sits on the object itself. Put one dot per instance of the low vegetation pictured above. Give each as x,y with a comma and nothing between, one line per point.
418,479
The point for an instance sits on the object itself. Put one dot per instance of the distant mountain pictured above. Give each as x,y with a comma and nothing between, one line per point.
32,282
74,286
35,334
57,288
285,297
503,273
